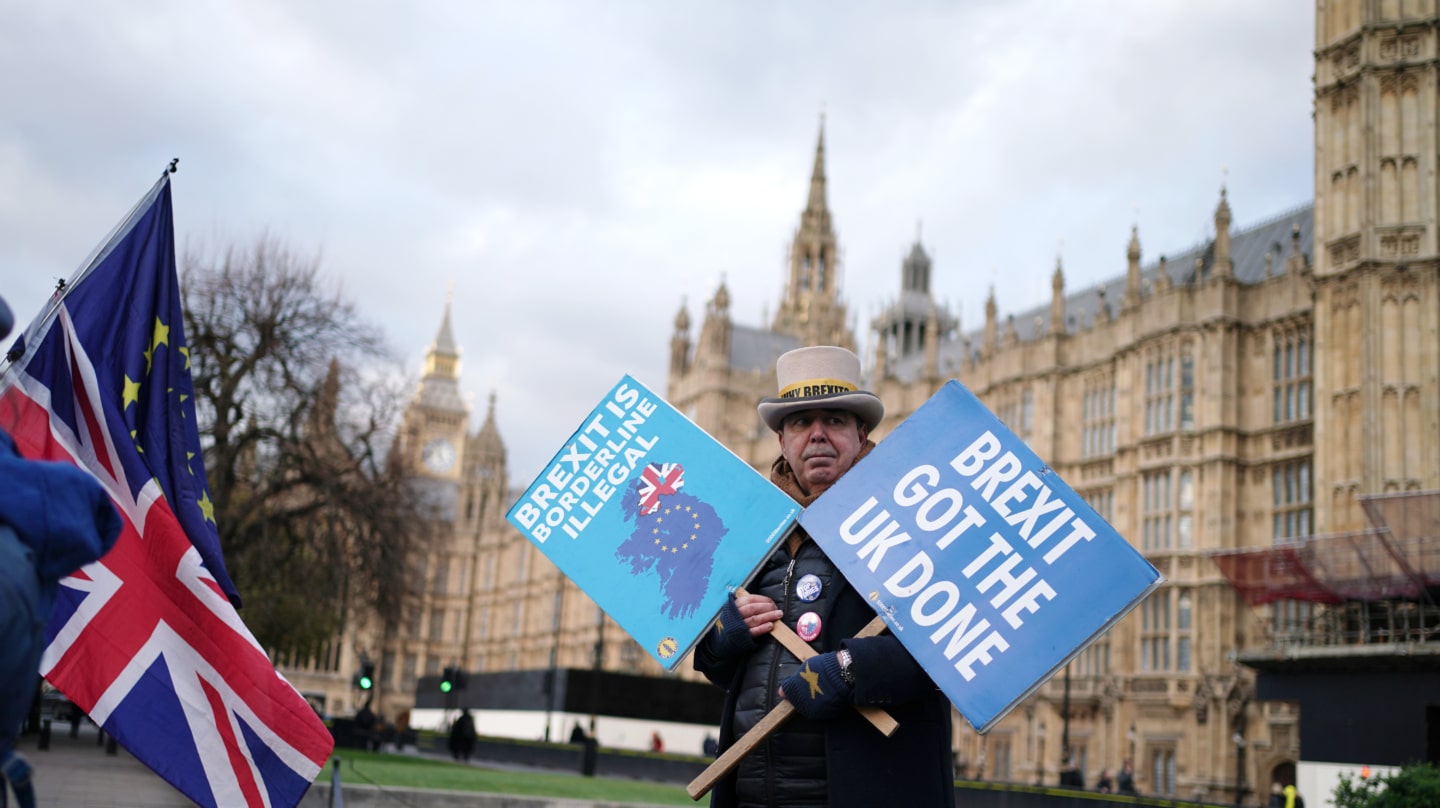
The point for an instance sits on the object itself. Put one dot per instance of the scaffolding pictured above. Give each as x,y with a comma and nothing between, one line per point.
1377,585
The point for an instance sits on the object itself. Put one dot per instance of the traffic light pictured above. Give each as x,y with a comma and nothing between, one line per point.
365,677
452,678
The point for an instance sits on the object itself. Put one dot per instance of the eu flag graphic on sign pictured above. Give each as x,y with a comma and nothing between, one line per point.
146,640
675,536
652,518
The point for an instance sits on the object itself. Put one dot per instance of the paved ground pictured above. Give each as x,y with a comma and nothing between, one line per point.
77,773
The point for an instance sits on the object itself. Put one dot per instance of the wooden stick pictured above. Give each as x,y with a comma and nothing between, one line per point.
802,651
722,765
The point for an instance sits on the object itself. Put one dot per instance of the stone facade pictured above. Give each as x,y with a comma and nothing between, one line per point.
1228,396
1232,396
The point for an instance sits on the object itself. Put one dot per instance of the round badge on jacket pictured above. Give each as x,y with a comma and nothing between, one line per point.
808,587
808,626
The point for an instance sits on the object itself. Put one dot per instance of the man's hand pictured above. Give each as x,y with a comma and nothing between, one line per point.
817,689
758,612
742,619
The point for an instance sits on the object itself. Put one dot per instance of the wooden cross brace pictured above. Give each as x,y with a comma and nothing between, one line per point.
722,765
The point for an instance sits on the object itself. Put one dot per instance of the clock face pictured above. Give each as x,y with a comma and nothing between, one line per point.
438,455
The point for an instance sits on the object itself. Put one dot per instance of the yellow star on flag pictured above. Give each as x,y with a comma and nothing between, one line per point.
131,394
207,507
161,336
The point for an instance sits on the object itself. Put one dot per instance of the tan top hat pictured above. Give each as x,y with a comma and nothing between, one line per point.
822,377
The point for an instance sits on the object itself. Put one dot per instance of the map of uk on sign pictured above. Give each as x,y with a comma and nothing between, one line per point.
990,570
654,519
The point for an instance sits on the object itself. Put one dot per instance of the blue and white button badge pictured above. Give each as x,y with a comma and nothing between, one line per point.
808,588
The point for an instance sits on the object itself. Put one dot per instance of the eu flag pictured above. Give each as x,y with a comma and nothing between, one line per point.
129,321
147,640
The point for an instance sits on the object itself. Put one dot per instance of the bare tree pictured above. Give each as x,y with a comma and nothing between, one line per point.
298,400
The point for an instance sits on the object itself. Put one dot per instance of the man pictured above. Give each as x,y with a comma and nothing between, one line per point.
1125,780
1070,774
828,755
462,737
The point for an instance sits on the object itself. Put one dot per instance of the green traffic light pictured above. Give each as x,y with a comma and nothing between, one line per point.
445,687
365,682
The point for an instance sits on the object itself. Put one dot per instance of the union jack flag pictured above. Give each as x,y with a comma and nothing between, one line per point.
146,640
657,479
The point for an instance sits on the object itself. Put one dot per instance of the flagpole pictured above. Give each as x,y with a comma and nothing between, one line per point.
63,287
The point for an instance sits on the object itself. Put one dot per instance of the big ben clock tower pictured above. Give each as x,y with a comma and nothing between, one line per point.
435,423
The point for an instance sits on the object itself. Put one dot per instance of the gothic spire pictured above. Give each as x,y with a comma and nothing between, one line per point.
444,343
816,203
1132,268
1057,299
1224,266
488,440
812,310
440,376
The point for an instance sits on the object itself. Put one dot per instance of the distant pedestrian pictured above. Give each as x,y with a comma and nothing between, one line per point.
1105,785
577,735
1125,781
365,720
462,737
1070,776
1277,797
76,716
1293,798
657,744
710,745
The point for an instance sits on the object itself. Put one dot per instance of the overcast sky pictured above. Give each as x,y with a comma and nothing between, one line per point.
577,170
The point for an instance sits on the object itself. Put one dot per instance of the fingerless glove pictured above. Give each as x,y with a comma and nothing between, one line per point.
730,636
817,690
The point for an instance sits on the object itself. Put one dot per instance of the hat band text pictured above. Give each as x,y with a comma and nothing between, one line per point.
817,387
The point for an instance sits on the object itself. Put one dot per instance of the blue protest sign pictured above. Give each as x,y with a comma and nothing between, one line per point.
655,520
989,569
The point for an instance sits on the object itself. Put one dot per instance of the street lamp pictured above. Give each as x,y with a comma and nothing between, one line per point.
1065,718
1040,766
599,665
1131,736
1239,740
553,673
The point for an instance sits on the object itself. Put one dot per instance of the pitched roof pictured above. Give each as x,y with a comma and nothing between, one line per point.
1248,251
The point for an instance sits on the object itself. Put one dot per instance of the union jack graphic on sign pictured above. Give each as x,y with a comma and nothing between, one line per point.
146,640
659,479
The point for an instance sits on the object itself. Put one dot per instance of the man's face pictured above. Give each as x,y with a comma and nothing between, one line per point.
821,445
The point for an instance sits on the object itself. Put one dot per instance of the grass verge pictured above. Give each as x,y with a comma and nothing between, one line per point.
406,771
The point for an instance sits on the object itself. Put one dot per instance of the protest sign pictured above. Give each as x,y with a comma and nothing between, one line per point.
652,518
989,569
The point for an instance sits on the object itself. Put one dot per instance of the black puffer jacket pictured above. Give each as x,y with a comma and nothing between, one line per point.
789,768
845,761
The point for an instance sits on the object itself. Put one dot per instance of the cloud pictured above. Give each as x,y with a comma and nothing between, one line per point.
573,171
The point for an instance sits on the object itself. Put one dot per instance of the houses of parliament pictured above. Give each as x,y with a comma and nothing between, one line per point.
1252,392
